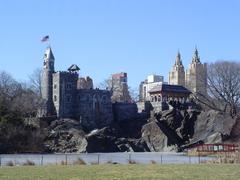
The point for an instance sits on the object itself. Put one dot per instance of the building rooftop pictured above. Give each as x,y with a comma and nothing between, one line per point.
73,67
169,88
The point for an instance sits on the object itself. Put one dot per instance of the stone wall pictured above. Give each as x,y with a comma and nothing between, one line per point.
124,111
94,108
149,106
64,94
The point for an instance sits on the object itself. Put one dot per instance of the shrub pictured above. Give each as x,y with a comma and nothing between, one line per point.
63,163
132,162
79,161
10,163
153,162
29,163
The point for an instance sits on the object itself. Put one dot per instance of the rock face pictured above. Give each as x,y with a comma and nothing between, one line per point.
109,140
65,136
171,130
213,127
155,139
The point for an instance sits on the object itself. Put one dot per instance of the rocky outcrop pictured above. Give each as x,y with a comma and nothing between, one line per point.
213,127
170,130
65,136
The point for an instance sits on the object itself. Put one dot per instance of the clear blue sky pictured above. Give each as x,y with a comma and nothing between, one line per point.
139,37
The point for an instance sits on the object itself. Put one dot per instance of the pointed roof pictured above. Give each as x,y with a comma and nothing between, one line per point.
178,59
73,67
196,58
49,54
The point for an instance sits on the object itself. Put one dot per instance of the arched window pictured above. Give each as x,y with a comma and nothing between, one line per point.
104,99
55,98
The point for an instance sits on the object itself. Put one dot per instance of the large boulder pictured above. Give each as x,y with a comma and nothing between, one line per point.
159,137
108,140
65,136
155,139
212,127
102,140
172,118
186,131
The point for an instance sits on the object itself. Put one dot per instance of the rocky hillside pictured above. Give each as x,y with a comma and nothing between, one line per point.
172,130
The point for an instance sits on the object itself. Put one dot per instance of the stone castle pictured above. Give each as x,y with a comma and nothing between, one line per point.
66,95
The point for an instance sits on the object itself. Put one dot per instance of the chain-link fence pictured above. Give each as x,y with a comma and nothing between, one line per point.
100,158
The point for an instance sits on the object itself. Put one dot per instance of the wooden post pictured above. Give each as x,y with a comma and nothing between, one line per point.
198,157
98,159
66,159
161,159
42,160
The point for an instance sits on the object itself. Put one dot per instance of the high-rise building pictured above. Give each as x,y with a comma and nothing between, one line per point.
196,75
119,87
177,74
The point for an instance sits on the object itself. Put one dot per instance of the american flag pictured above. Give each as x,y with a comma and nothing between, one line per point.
45,38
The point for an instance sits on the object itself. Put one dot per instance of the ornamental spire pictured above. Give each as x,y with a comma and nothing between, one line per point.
196,58
178,59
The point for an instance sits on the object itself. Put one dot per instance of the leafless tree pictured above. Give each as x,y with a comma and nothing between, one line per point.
17,97
35,81
223,86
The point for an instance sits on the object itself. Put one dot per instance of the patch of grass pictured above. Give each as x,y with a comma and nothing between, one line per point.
138,171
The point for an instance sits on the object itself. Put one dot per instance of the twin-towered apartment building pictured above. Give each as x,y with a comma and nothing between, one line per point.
181,82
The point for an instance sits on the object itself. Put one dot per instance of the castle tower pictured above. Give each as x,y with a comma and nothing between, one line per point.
177,74
47,81
196,75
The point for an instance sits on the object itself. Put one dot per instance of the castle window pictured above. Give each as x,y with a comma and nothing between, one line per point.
69,86
104,99
68,98
55,86
55,98
88,98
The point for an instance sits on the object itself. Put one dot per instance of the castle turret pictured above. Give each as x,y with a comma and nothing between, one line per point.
196,75
47,81
177,74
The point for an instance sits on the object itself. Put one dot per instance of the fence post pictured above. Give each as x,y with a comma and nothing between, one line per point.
42,160
199,158
129,158
0,161
98,159
66,160
161,158
189,158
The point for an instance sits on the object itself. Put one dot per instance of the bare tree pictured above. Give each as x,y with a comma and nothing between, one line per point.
17,97
35,81
223,84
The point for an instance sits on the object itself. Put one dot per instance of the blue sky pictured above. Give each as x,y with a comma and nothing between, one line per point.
140,37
